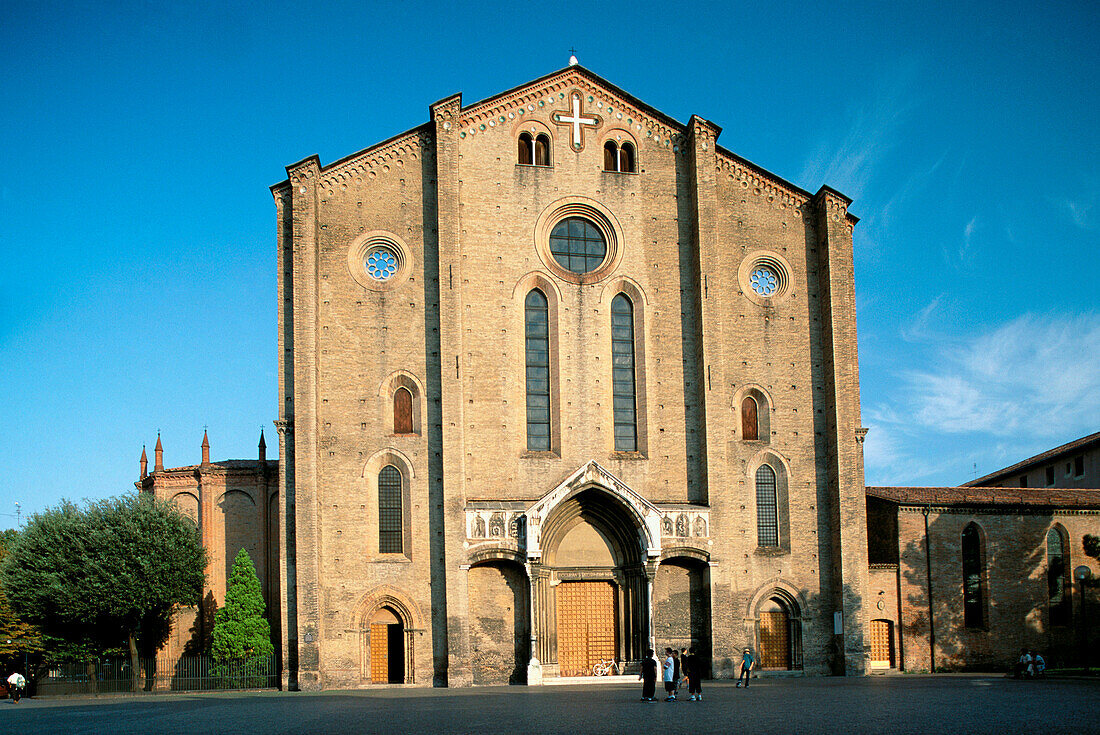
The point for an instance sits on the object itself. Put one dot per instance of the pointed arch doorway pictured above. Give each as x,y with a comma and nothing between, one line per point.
387,648
591,592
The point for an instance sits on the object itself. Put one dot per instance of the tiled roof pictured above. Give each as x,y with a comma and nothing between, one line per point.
1054,497
1046,456
225,464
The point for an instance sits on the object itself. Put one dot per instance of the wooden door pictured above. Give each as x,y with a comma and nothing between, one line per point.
379,653
882,644
587,626
775,641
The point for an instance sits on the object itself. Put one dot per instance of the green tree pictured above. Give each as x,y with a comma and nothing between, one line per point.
1092,546
105,575
18,639
242,636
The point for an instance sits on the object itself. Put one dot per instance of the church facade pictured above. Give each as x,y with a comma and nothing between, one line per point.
562,379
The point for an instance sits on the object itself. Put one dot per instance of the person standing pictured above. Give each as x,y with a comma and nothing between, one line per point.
747,662
693,667
669,676
1023,665
648,676
16,682
677,674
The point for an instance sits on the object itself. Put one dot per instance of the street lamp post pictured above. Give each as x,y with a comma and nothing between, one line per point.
1082,574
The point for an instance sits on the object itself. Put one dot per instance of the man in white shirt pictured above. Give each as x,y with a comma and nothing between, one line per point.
16,682
670,676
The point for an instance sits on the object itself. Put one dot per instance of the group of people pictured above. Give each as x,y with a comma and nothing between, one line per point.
1030,664
680,667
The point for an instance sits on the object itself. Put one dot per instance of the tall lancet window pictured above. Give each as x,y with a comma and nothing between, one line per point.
767,511
390,531
623,378
537,333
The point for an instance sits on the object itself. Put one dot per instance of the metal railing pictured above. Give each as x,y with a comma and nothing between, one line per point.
157,675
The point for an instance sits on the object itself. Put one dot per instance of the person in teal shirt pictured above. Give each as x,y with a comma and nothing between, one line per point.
747,662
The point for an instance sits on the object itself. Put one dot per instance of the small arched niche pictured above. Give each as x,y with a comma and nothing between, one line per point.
404,397
753,409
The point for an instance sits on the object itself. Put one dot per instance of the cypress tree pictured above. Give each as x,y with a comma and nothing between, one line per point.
242,636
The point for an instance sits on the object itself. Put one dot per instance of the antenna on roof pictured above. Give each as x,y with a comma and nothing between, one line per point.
573,57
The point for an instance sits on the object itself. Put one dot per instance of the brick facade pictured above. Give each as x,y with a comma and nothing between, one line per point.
468,227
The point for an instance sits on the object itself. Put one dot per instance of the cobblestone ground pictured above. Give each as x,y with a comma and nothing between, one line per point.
900,704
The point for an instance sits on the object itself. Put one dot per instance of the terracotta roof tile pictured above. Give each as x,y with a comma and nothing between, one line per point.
965,495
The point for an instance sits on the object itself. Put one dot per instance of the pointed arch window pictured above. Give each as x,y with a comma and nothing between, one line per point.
402,411
390,531
750,427
1058,578
537,338
767,512
623,378
973,578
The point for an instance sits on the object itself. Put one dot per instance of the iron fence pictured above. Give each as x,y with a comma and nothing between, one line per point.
161,674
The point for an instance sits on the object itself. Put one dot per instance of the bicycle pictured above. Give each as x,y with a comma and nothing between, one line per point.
605,668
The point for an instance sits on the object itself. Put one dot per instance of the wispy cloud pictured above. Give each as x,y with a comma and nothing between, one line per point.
1082,211
872,129
1036,372
1033,380
919,329
876,227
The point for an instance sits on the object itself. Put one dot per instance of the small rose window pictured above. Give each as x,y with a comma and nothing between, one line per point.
381,263
764,281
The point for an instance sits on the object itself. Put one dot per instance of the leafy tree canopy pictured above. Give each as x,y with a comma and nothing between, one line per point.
17,637
91,578
240,629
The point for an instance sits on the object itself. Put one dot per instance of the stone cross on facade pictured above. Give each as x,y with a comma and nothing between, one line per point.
578,121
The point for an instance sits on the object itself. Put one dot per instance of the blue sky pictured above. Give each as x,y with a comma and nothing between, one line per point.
138,233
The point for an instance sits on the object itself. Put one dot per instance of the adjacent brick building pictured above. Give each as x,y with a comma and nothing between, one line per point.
991,568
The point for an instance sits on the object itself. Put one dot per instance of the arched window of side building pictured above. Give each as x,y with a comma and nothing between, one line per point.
537,338
973,577
623,378
1058,587
390,530
767,513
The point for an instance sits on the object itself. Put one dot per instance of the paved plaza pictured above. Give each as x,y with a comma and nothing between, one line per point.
898,704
